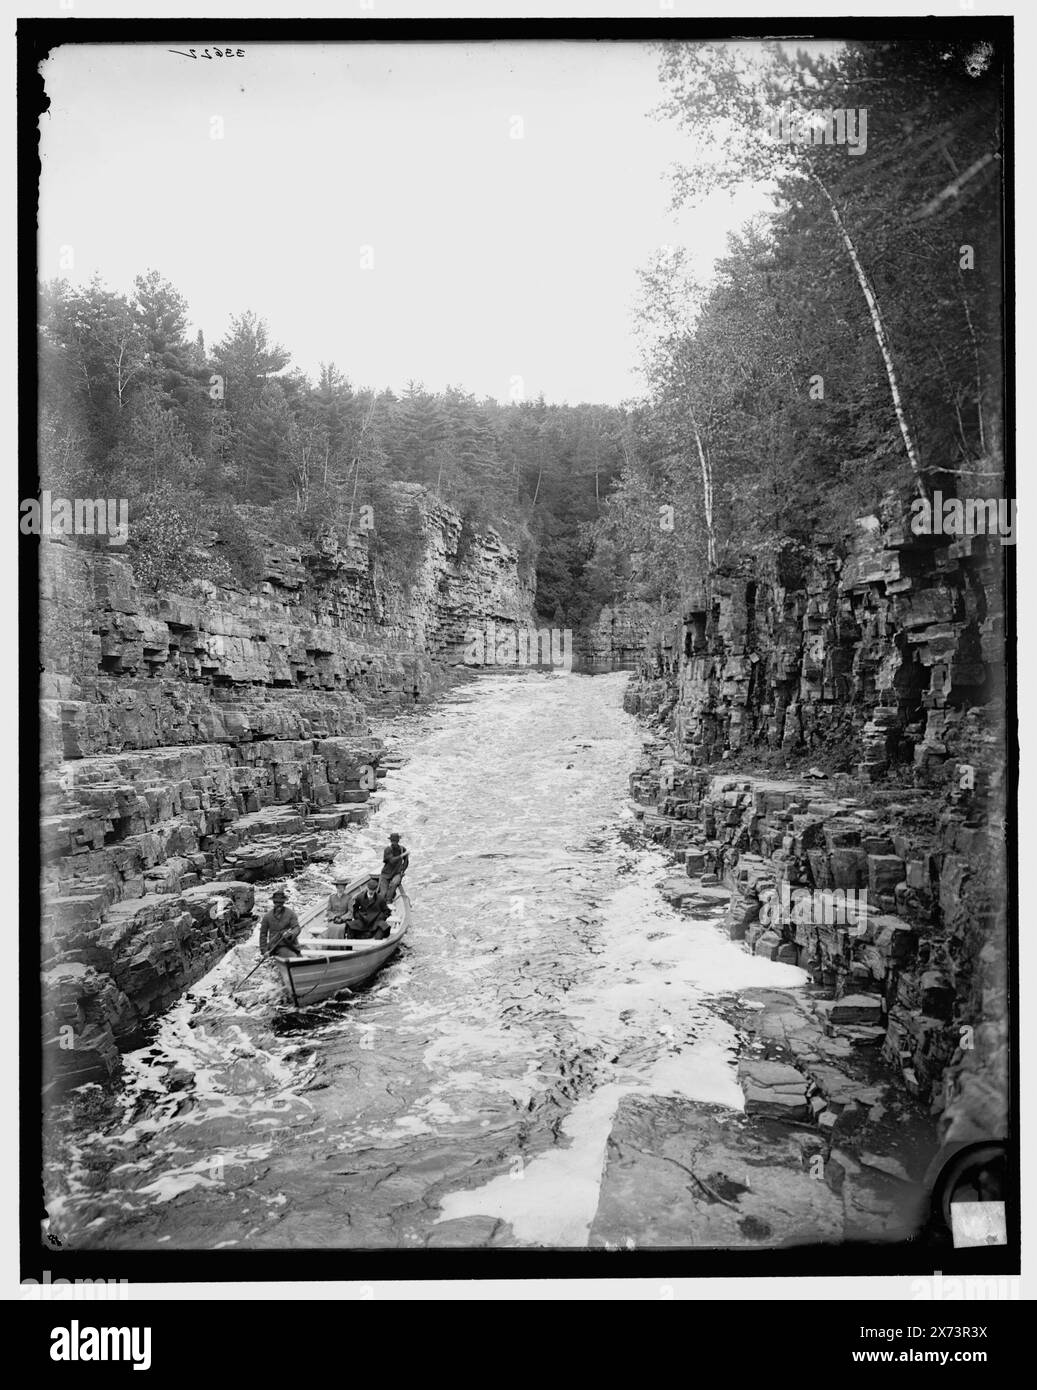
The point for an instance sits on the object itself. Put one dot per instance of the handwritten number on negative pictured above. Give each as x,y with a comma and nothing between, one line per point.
219,52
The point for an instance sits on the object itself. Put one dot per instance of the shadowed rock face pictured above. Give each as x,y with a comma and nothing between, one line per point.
881,659
218,738
101,983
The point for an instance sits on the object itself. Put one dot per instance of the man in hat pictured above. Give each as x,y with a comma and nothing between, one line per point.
279,929
395,860
369,913
339,906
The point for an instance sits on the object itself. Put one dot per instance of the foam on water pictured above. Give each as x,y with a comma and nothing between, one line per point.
543,980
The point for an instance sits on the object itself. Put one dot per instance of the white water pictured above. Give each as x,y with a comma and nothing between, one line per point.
544,978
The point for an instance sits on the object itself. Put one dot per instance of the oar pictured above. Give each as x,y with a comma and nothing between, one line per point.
259,962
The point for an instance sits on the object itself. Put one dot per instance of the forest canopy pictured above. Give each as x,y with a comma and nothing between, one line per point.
217,448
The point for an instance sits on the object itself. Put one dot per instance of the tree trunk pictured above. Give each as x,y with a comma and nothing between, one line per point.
979,371
356,461
352,500
953,190
880,337
707,498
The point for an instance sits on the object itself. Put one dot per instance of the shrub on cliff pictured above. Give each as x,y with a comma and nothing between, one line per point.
476,519
237,546
312,520
465,539
397,542
170,539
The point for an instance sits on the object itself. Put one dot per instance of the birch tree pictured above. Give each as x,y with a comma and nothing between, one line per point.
867,131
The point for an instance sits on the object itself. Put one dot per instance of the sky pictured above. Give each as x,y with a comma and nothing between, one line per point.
453,214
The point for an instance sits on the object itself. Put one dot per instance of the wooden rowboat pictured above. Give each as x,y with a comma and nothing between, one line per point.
325,967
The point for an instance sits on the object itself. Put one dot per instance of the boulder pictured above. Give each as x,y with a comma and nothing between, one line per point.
885,871
767,945
856,1008
774,1089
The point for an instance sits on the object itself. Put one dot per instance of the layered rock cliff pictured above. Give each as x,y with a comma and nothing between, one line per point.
193,744
863,678
618,638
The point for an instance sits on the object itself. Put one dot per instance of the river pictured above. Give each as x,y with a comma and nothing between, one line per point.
466,1095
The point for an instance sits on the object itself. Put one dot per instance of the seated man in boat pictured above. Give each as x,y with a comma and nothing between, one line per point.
369,913
339,910
279,929
395,860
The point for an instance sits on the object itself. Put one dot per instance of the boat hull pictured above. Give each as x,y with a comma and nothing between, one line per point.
326,968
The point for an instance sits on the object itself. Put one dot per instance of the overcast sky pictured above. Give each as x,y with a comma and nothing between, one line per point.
466,214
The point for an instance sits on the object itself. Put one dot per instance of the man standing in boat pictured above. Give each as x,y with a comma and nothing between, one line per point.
395,860
279,929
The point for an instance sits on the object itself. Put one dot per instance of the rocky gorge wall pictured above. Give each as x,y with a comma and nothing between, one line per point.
194,744
617,639
833,720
